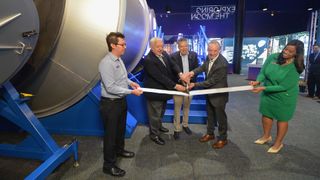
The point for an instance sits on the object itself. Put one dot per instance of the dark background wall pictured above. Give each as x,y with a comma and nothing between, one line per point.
289,16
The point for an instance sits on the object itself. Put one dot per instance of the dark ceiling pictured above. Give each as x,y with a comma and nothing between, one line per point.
289,16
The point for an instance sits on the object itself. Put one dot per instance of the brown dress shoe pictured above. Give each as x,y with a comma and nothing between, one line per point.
219,144
206,138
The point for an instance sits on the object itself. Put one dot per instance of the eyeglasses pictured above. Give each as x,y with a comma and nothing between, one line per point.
123,45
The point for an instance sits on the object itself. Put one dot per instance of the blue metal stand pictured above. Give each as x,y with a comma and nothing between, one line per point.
84,117
39,144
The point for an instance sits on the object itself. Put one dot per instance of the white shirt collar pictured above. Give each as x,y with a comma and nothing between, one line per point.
214,59
184,55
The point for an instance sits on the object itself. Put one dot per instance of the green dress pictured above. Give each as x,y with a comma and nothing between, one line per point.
279,99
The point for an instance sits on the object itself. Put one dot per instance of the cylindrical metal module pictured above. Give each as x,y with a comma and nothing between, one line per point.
69,70
19,28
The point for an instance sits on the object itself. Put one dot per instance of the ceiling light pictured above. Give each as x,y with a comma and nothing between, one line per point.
272,13
264,7
168,9
310,5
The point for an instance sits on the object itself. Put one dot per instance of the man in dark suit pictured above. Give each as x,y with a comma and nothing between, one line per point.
187,61
215,68
314,72
160,73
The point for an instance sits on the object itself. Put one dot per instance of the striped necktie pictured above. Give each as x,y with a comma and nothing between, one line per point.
316,56
210,65
161,59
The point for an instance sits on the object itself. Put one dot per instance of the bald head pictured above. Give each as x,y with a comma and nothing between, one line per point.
156,45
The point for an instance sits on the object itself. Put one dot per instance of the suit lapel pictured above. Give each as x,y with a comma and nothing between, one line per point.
165,60
206,64
179,60
189,60
158,62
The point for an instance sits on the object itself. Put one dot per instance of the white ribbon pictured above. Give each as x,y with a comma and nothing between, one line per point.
198,92
160,91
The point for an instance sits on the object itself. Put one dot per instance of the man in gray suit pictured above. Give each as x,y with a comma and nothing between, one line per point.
216,69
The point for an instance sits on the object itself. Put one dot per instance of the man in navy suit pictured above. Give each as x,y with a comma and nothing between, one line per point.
314,72
187,61
216,69
160,73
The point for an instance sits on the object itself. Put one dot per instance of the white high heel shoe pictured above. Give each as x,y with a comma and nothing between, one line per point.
274,151
263,141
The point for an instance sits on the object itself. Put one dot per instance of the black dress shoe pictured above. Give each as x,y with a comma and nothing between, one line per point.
114,171
163,129
176,135
309,96
187,130
158,140
125,154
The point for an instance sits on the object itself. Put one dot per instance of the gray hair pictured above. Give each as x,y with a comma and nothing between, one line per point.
182,40
215,42
154,40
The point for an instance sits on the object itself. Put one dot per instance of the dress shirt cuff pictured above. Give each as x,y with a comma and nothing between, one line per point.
128,91
129,81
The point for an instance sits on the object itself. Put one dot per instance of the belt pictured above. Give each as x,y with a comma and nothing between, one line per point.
113,99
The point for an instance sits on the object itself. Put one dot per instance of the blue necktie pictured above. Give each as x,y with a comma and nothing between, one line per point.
315,57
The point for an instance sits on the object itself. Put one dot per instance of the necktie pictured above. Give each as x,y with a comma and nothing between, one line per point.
316,56
210,65
160,57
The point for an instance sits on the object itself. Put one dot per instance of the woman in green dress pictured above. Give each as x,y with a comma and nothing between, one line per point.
279,92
